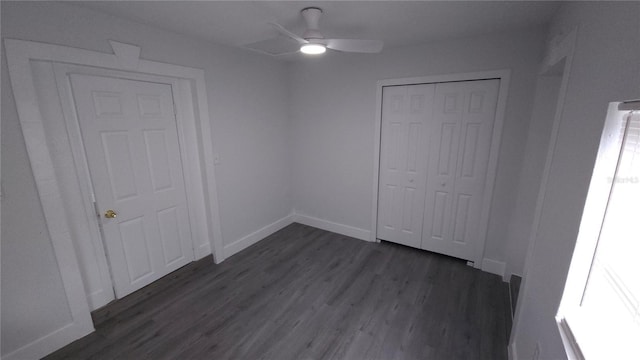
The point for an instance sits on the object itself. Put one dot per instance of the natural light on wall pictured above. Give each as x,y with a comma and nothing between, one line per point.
599,316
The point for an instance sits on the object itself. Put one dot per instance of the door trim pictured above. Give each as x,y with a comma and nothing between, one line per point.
187,134
562,49
190,85
503,76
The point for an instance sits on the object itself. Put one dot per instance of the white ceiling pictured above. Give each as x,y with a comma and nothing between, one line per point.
397,23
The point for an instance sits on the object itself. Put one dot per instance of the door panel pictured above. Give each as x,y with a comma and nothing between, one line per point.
469,150
115,145
442,161
445,147
169,230
131,142
438,216
158,158
134,241
460,219
405,112
465,113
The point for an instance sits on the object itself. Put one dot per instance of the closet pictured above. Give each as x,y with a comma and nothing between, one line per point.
434,156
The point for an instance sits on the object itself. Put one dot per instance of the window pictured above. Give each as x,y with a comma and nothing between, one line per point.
599,316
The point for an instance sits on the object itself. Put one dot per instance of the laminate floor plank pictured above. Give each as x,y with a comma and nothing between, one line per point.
305,293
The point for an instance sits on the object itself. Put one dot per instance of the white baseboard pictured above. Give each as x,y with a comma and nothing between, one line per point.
342,229
50,342
202,250
494,267
508,276
241,244
99,298
512,352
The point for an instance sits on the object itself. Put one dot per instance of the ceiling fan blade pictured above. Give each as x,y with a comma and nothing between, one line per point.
355,45
288,33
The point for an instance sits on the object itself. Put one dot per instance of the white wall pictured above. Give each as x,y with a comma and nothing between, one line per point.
333,112
321,159
247,103
606,67
535,154
31,282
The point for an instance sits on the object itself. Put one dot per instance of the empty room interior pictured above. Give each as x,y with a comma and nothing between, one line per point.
320,180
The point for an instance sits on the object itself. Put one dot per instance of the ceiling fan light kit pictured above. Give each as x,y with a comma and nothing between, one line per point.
312,42
313,49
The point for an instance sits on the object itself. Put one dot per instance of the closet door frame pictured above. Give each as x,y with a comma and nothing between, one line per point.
504,77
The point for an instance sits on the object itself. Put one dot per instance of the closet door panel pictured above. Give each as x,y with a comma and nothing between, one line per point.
457,166
405,114
476,128
441,167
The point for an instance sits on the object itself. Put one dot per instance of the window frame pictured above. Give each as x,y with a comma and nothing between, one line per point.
593,216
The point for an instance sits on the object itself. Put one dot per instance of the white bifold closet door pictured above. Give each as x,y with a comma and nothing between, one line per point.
455,127
406,111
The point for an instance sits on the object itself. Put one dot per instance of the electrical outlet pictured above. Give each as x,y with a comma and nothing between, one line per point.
536,352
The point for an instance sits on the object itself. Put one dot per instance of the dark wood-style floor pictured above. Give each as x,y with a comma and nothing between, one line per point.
305,293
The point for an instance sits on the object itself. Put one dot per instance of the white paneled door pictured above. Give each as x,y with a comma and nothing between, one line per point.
406,111
458,124
131,143
462,124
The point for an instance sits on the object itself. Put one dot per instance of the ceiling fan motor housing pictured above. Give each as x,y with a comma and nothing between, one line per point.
312,16
313,42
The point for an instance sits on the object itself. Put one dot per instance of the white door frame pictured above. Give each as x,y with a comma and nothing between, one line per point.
561,49
188,84
186,132
503,76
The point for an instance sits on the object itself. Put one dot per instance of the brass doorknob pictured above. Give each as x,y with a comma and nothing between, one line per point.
110,214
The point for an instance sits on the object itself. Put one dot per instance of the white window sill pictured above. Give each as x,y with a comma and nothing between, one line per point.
570,345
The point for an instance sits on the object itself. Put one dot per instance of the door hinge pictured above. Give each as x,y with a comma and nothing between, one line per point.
95,206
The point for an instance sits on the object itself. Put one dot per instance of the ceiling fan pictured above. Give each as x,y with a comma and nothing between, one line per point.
312,42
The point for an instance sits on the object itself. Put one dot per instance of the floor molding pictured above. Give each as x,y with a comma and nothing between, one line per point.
515,281
202,251
50,342
511,350
494,267
342,229
243,243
